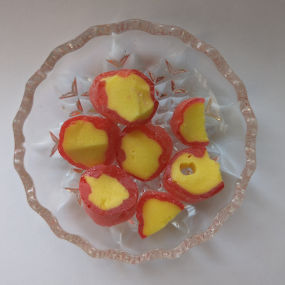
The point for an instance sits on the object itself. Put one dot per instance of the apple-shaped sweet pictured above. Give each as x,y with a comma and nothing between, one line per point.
205,181
86,141
188,122
155,210
108,194
143,151
124,96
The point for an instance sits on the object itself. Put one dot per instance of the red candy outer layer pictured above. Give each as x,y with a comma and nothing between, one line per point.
99,98
179,192
108,126
154,132
116,215
177,120
161,196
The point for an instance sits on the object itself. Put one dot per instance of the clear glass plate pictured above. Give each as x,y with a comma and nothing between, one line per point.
181,66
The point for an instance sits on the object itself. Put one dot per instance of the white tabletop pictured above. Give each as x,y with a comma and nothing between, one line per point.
250,247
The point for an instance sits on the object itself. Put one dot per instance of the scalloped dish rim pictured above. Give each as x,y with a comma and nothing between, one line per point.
154,29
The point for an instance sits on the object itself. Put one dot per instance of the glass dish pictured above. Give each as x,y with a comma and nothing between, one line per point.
181,66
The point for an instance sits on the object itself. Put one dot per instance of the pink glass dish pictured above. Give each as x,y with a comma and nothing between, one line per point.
181,66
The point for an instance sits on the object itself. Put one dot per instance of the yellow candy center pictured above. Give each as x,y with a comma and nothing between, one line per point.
206,173
107,192
129,97
142,154
157,214
85,144
193,126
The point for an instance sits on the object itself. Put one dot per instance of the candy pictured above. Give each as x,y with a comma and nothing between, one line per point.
125,96
188,122
109,195
155,210
143,151
205,181
86,141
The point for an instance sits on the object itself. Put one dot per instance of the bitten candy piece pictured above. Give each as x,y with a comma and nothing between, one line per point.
188,122
86,141
205,181
109,195
125,96
144,151
155,210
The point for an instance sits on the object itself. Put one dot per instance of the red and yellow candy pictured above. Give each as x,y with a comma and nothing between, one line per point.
125,96
188,122
155,210
86,141
109,195
205,181
143,151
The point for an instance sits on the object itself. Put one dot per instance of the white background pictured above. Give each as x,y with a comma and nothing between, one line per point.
250,247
